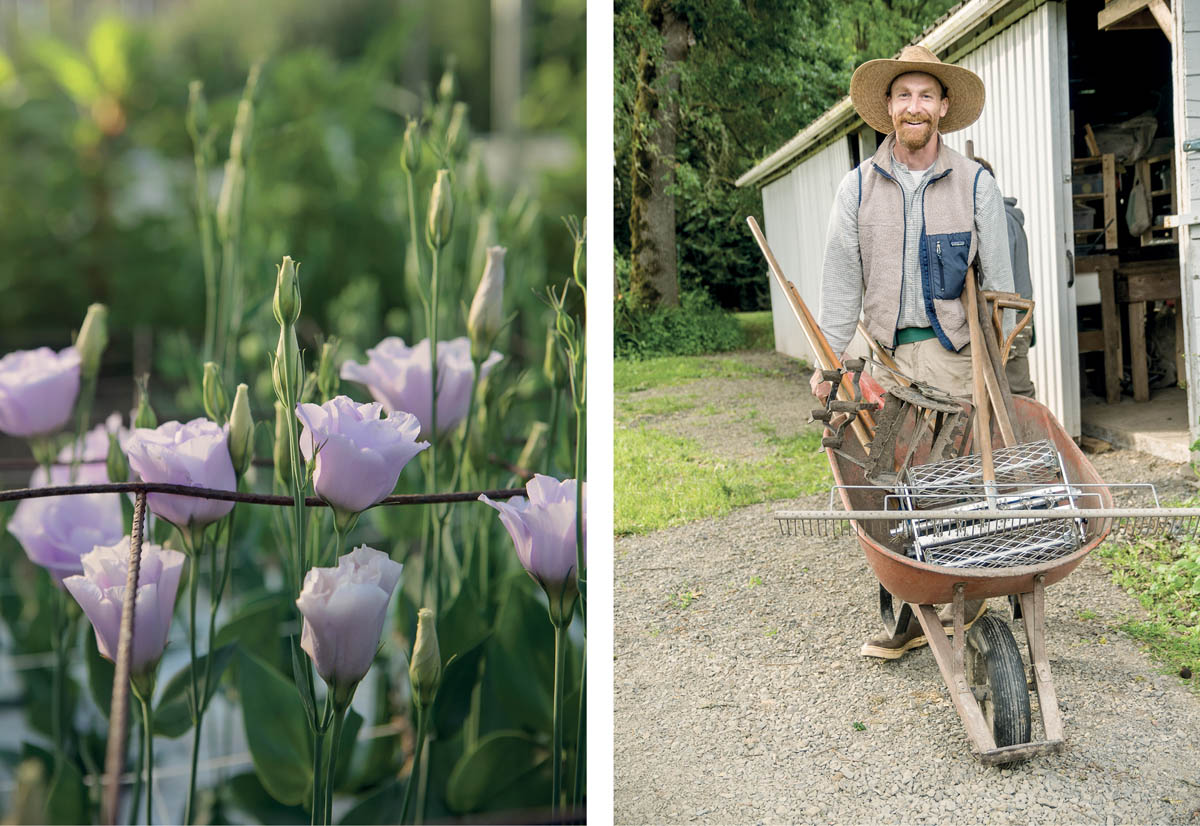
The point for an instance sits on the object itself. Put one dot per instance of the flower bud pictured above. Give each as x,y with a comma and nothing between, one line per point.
197,111
425,669
216,400
117,463
487,308
93,338
328,381
456,132
144,415
447,86
410,152
287,293
441,211
552,365
288,369
283,452
241,431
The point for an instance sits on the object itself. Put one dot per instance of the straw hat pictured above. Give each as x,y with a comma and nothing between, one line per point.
869,87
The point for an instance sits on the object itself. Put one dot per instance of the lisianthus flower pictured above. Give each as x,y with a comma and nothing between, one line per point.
38,390
195,454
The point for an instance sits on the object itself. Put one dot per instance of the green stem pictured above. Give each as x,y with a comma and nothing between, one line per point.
335,746
196,702
84,413
136,798
555,397
204,218
414,236
580,570
433,430
560,663
318,799
413,774
58,723
148,740
580,732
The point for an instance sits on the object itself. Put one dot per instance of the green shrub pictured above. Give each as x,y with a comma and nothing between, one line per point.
695,327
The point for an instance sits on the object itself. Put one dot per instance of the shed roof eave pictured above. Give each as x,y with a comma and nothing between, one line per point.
835,118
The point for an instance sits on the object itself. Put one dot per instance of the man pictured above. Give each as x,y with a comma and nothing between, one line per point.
904,228
1017,366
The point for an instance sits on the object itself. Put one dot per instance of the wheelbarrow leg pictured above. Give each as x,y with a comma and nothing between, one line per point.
1033,609
949,657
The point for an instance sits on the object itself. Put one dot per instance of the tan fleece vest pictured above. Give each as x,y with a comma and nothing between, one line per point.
948,243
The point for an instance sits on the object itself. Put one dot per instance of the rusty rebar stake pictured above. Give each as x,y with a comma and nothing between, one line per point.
114,759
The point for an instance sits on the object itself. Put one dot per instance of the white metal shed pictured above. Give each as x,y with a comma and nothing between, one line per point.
1020,50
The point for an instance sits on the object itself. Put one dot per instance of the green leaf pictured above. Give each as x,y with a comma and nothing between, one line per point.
276,730
520,659
350,730
100,673
66,801
506,770
172,716
381,806
68,68
107,46
461,634
256,627
250,796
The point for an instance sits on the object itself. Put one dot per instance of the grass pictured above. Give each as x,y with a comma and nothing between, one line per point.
668,480
1164,576
657,406
630,376
758,329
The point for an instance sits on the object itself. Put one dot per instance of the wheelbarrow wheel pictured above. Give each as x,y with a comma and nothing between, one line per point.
997,678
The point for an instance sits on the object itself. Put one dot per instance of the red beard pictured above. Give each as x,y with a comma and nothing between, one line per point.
913,136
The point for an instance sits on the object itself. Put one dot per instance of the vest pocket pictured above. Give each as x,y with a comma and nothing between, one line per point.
947,255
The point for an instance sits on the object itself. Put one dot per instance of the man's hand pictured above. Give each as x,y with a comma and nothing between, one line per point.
820,387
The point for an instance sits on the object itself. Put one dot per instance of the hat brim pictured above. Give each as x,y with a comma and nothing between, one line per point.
869,86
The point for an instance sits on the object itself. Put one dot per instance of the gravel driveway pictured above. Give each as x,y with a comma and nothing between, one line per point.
740,696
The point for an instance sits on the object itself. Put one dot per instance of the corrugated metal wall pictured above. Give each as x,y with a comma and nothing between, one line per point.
1187,112
1024,132
796,210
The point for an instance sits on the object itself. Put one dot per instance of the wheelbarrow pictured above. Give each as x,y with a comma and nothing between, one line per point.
943,518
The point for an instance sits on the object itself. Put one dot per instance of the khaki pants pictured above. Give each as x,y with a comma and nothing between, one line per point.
928,361
1017,367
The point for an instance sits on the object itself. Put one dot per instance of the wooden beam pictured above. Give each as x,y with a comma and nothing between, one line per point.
1117,10
1140,21
1162,16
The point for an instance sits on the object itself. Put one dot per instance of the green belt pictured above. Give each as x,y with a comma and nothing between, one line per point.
908,335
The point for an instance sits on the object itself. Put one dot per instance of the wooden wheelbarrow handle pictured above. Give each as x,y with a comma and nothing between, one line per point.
1011,301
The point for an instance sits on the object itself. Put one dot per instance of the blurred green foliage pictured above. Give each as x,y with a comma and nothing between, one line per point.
754,76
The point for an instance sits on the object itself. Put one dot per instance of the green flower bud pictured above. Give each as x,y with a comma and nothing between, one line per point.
287,293
447,86
93,338
118,465
328,381
487,308
144,416
283,453
216,399
410,153
197,111
241,431
441,211
456,132
425,669
552,365
288,370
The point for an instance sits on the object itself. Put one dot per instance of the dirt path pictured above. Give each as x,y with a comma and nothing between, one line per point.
740,696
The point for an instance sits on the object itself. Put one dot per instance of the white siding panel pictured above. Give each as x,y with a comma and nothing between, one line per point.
796,210
1024,133
1186,78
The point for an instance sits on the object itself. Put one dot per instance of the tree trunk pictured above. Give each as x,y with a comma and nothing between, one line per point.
654,276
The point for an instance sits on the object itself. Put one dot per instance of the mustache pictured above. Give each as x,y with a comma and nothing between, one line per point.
915,119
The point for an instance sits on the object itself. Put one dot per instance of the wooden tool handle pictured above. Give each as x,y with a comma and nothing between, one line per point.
983,422
1011,301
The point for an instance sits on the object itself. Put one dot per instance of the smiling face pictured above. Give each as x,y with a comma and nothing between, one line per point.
916,104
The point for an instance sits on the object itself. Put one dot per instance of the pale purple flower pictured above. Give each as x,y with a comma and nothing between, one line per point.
195,454
92,469
400,377
542,528
37,390
100,592
344,609
56,531
359,455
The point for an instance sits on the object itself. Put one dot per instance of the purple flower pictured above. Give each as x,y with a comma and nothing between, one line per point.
37,390
359,455
92,459
399,377
542,528
100,592
195,454
56,531
344,609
